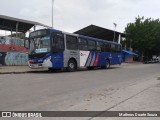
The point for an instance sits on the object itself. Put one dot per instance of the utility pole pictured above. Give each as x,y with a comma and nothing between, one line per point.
115,25
52,12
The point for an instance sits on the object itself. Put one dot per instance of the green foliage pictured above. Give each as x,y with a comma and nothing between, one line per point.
144,36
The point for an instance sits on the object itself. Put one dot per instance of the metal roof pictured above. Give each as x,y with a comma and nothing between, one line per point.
130,52
99,32
9,23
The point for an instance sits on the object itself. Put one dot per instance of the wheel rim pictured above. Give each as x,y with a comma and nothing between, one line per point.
107,64
71,65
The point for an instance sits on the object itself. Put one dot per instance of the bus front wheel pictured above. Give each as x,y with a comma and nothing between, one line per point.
71,66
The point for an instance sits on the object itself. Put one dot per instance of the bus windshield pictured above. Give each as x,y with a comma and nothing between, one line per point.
40,45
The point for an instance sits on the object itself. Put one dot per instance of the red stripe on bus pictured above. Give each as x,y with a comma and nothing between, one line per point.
96,61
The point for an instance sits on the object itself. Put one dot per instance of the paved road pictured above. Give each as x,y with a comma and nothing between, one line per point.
119,88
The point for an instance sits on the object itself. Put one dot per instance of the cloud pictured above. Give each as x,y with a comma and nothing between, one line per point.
71,15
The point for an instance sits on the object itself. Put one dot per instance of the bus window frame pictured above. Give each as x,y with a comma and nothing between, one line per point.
55,48
76,43
118,49
102,48
81,44
108,48
95,45
113,50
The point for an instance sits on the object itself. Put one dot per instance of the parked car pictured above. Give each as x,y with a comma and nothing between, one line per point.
158,58
146,60
155,59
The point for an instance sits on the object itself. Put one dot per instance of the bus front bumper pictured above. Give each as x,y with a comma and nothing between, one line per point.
45,64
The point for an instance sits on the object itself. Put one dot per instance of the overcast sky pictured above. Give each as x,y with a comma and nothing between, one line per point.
72,15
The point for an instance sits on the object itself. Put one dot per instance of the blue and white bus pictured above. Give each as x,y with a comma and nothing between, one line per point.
55,49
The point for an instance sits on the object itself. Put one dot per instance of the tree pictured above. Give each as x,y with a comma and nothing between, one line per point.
144,36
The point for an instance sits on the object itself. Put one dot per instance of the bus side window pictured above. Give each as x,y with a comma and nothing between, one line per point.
58,42
91,45
107,47
113,48
71,42
100,47
118,48
83,44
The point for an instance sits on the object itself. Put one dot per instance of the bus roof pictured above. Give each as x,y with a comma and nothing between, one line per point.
82,36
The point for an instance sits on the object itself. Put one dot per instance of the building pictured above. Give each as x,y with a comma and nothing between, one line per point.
127,56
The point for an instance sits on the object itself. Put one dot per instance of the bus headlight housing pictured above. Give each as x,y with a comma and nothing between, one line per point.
49,58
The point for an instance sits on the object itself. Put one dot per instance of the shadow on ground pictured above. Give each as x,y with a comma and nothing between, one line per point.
65,71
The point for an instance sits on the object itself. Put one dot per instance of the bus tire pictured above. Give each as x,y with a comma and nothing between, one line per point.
52,70
107,65
71,65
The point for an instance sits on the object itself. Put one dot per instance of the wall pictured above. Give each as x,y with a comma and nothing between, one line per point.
12,45
12,48
13,58
13,41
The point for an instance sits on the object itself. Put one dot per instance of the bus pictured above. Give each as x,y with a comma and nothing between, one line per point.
54,49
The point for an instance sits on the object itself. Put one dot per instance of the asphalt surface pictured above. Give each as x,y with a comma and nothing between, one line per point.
119,88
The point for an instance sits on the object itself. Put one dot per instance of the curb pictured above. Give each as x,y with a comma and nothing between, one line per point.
14,72
30,71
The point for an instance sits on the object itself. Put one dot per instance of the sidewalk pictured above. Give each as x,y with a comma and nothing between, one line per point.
16,69
147,99
25,69
134,63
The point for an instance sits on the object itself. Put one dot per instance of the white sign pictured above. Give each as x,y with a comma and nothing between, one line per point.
41,50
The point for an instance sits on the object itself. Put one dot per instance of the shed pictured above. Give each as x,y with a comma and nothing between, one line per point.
128,56
16,24
100,32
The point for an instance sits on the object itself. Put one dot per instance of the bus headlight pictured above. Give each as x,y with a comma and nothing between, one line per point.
49,58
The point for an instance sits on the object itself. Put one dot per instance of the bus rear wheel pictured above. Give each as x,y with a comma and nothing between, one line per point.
71,66
107,65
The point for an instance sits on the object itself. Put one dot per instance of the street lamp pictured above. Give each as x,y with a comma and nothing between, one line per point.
52,12
115,25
